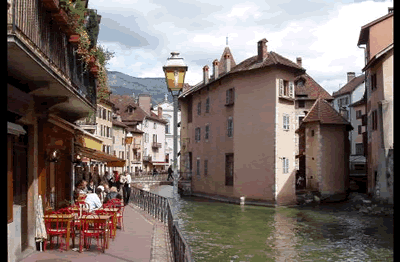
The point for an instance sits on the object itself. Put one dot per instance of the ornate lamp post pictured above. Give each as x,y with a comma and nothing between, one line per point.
175,71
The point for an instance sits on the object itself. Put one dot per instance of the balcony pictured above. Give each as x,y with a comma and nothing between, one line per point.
146,158
156,145
41,58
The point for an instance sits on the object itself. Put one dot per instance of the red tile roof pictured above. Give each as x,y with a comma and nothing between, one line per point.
350,86
324,113
273,59
122,102
311,88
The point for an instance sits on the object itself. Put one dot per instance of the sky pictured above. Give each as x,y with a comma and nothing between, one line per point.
323,33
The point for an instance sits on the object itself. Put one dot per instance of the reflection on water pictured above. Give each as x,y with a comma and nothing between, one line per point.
226,232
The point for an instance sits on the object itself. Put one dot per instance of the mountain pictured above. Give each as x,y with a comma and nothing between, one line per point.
123,84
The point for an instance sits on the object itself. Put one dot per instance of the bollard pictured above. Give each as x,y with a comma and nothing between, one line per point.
242,199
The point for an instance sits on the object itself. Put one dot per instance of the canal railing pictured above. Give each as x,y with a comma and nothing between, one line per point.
159,208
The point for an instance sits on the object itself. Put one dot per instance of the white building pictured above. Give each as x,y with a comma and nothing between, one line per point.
168,115
351,93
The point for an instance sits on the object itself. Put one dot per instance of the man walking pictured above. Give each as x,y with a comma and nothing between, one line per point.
170,173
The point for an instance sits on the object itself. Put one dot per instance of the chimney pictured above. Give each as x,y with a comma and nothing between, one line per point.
262,50
299,62
227,62
215,68
145,102
205,74
159,111
350,76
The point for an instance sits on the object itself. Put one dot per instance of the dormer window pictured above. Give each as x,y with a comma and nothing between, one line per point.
131,109
300,83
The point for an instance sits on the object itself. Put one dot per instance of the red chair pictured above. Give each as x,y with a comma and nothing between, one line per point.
55,227
93,229
117,203
111,226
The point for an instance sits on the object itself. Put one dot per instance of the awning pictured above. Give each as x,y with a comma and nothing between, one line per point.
159,163
112,161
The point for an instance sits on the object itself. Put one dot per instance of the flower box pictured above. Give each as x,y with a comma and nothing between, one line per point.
94,70
92,60
60,17
51,5
74,39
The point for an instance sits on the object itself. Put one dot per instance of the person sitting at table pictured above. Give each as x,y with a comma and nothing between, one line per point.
93,200
112,194
91,187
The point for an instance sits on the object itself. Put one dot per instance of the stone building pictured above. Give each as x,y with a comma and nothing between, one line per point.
238,128
327,149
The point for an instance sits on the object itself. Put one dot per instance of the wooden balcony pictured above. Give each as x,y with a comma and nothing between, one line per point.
42,59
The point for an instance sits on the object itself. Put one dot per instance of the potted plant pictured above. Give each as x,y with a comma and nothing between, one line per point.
51,5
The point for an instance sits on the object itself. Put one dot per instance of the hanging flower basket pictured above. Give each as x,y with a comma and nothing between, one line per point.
51,5
94,70
60,17
91,61
74,39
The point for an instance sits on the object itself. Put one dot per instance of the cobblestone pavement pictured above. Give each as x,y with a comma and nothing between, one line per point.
143,239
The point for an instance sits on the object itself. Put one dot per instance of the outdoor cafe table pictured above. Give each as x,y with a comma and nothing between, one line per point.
96,219
65,218
114,211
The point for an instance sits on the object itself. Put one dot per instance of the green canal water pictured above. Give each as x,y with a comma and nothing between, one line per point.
218,231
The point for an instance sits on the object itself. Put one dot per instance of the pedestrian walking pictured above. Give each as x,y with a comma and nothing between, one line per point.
154,171
170,173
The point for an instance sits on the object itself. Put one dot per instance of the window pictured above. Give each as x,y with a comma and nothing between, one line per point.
199,108
99,112
198,167
207,132
104,113
167,129
155,125
113,139
229,169
108,132
374,119
208,105
312,132
301,119
373,82
358,114
115,153
155,138
359,149
285,88
146,123
197,134
230,127
359,129
123,140
285,162
286,122
230,96
205,167
301,103
101,130
109,115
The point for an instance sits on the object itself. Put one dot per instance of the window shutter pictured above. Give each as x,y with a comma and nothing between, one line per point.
281,87
291,89
287,122
227,96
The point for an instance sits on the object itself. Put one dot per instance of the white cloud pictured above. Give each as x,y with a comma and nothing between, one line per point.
326,40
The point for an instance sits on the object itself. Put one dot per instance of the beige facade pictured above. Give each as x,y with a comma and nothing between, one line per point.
378,38
260,152
104,130
327,150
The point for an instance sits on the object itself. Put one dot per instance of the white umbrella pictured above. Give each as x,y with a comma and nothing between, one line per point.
40,227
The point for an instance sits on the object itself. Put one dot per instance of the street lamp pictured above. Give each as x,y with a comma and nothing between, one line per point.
175,71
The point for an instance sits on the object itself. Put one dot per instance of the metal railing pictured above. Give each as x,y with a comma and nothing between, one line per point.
28,19
159,207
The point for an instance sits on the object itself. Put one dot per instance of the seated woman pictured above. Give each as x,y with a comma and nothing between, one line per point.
112,194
